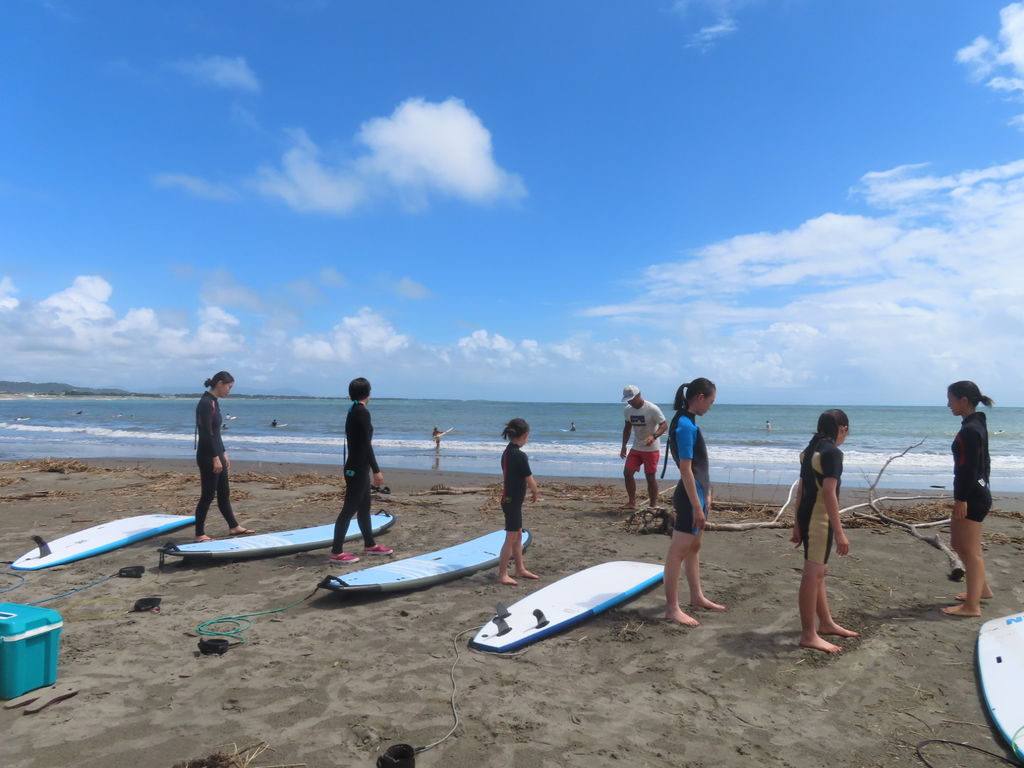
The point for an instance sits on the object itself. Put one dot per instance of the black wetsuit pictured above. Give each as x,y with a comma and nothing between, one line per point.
208,446
971,466
515,468
361,461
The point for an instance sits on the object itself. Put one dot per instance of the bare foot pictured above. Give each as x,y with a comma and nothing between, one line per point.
524,574
679,617
507,580
960,610
818,643
703,602
240,530
986,595
202,539
835,629
629,505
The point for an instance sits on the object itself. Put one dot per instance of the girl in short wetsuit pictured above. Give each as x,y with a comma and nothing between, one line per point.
817,523
212,458
516,479
692,499
971,496
359,435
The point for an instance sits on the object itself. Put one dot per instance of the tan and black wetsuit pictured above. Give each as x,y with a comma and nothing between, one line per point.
826,460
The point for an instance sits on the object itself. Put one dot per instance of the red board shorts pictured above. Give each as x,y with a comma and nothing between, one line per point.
648,459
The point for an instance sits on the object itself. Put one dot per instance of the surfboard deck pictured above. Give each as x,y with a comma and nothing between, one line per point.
566,603
1001,671
273,544
424,570
100,538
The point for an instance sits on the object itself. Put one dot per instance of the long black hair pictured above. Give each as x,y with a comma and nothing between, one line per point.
219,376
690,390
828,431
515,428
681,403
969,390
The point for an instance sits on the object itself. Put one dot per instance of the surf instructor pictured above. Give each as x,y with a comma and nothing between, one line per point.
360,462
212,458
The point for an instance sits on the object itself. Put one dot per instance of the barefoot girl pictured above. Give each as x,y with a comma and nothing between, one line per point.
212,458
692,499
971,497
517,477
817,521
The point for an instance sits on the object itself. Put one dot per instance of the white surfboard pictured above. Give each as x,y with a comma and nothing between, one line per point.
99,538
273,544
566,603
1001,670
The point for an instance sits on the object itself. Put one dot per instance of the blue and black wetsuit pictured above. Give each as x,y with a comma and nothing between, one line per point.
972,466
209,446
687,442
361,461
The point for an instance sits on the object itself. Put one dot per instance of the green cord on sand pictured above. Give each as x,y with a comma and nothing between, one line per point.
236,625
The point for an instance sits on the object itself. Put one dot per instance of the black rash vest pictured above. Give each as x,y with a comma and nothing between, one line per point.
971,462
208,426
359,433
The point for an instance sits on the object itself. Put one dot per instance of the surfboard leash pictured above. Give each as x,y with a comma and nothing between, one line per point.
15,575
234,627
127,572
1013,745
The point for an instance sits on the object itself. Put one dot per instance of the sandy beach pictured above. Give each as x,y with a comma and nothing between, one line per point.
333,682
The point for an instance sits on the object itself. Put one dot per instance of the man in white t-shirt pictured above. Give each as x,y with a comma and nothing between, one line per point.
647,423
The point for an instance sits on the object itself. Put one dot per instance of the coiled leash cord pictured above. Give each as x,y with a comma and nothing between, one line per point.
234,627
1013,745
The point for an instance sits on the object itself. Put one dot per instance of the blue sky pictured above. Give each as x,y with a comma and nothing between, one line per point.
808,202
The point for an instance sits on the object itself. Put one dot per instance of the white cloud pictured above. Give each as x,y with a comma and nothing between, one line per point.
426,146
423,148
410,289
306,184
7,300
331,276
722,19
220,71
707,36
195,186
366,331
84,302
983,57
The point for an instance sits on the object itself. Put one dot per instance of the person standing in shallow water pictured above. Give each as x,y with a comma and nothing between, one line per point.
212,458
692,499
972,498
817,524
360,462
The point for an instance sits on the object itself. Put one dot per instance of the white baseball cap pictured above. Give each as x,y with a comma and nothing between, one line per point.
629,392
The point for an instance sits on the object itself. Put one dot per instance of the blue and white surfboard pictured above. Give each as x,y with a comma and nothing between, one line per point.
273,544
566,603
424,570
1001,671
98,539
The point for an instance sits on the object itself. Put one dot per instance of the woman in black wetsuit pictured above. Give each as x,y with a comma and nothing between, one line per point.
971,496
359,434
212,458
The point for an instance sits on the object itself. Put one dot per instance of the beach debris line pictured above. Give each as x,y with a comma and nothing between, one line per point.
244,757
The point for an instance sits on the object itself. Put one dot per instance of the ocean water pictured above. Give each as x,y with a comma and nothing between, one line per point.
742,450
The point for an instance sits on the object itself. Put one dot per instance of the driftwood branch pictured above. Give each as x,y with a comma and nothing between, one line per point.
447,490
956,566
748,525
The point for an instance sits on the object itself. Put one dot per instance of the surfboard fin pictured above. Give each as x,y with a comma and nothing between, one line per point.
541,619
44,548
501,611
503,628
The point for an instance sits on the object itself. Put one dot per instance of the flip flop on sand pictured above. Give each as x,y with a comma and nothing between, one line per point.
202,539
243,532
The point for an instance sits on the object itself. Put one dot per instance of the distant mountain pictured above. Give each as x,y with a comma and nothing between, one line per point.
55,388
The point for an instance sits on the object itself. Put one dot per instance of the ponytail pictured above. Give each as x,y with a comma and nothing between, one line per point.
829,423
970,390
218,377
515,428
690,390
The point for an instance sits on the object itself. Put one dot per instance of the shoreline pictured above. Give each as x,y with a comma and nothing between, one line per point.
327,681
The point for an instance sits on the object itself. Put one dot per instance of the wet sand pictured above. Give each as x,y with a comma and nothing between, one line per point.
333,682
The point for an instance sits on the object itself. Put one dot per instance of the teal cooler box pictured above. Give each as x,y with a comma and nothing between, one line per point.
29,641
